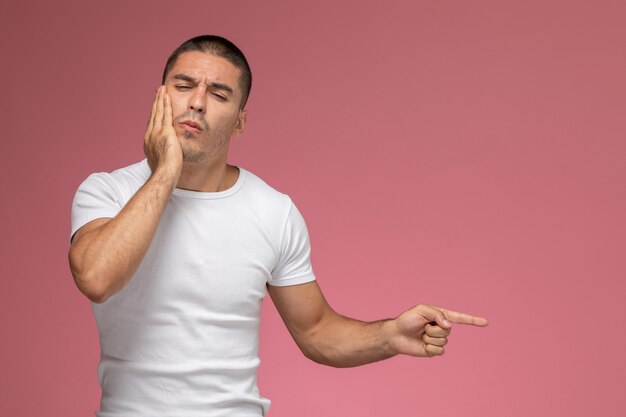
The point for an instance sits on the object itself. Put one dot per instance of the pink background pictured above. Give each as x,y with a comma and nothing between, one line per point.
469,154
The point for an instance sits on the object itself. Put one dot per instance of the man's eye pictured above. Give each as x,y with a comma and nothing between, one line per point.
183,87
219,97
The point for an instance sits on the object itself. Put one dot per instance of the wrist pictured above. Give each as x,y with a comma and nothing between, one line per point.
166,175
390,333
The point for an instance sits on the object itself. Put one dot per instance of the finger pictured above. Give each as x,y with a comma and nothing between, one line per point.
463,318
433,314
158,117
152,113
436,331
154,104
167,117
432,350
435,341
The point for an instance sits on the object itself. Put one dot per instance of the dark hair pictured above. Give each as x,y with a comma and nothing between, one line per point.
221,47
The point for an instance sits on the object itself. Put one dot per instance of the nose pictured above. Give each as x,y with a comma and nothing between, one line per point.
197,101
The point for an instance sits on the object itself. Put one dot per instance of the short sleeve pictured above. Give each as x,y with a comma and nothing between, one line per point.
95,198
294,264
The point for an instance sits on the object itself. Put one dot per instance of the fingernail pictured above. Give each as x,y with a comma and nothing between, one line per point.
446,322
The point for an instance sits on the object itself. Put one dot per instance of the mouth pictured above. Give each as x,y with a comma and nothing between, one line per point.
191,126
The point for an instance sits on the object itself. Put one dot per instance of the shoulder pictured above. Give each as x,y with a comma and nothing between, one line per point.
132,176
123,182
270,206
260,191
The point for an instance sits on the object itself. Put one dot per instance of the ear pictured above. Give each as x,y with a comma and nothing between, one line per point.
241,122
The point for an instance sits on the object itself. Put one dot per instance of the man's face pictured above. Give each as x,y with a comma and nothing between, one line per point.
206,98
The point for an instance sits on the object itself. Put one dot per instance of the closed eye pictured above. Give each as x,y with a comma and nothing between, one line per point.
182,87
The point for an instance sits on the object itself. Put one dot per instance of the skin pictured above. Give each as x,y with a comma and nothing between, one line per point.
105,253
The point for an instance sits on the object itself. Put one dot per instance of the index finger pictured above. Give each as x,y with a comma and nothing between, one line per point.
154,105
463,318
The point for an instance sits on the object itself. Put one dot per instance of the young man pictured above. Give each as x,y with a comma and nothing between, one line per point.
177,251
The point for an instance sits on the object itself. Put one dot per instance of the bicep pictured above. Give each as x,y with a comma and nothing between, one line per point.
302,307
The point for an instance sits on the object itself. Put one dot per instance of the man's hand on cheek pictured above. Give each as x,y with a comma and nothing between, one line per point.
161,145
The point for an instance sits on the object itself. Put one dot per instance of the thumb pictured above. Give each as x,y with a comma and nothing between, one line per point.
442,321
435,315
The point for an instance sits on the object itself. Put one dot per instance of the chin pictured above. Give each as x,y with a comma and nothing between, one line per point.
186,135
192,157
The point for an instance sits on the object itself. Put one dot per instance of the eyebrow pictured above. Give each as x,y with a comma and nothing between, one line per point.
221,86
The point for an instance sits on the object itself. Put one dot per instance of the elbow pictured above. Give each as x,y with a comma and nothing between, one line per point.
308,346
313,354
318,344
90,282
96,295
318,358
321,351
92,287
322,359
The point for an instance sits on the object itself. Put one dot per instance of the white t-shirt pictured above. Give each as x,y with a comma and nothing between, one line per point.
181,338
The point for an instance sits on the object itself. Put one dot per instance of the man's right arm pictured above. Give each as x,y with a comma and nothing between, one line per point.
106,252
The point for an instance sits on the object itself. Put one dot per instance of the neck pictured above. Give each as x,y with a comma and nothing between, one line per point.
215,177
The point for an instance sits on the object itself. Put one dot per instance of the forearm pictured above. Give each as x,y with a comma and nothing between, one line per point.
344,342
332,339
105,259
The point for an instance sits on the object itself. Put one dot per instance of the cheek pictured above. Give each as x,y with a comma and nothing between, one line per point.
226,123
178,104
177,109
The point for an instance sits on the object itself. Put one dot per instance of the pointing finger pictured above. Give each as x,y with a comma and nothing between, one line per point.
464,318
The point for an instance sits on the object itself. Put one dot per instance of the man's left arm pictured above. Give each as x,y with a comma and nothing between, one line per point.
329,338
